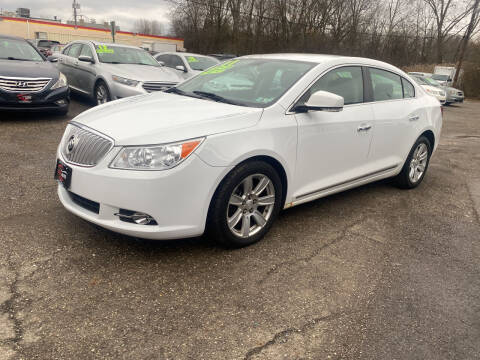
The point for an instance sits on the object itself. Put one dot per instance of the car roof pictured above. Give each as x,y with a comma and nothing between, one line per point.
325,58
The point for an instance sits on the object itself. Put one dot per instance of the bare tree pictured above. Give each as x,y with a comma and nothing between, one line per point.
448,14
150,27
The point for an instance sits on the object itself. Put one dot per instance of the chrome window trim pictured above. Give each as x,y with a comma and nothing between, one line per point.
290,107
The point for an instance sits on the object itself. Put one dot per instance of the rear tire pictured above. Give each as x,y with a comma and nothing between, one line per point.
416,165
245,205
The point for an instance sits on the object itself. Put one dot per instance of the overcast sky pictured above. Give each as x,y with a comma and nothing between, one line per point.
124,12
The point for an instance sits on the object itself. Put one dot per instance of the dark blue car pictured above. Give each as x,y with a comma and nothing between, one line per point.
28,82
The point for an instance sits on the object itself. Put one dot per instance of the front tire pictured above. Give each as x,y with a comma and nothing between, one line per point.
245,205
416,166
101,93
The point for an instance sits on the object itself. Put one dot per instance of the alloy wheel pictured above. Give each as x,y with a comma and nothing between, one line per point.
418,163
251,205
101,95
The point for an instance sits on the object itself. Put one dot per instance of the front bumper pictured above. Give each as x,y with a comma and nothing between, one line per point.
47,100
178,199
119,91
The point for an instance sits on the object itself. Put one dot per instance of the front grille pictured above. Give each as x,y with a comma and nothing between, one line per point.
89,205
157,86
23,85
84,147
460,93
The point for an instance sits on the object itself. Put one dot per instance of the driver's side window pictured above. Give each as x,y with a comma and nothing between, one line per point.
346,82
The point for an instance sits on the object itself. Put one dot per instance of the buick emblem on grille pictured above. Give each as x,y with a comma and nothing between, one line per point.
22,84
71,143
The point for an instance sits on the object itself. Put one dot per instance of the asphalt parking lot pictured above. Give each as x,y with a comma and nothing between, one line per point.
373,273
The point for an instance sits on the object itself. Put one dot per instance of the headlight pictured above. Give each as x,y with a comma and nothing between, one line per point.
125,81
61,82
158,157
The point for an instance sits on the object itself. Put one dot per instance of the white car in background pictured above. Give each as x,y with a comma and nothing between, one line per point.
433,90
172,164
187,64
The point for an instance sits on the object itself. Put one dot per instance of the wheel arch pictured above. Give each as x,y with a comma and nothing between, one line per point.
276,164
430,136
97,80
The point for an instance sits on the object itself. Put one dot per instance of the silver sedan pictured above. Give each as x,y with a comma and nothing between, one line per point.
108,72
186,64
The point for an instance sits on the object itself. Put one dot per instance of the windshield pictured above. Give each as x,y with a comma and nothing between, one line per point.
420,80
124,55
18,50
432,82
440,77
246,82
200,63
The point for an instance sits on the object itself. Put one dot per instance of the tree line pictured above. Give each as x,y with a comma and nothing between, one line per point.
402,32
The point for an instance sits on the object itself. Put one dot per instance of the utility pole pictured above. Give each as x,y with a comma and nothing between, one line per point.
466,38
113,29
75,6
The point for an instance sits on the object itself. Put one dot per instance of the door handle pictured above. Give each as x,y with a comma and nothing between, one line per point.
364,128
414,118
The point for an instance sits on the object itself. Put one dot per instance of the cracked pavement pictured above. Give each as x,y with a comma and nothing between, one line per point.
372,273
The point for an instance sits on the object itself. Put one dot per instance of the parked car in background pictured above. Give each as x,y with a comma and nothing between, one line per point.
172,164
452,95
435,91
223,57
28,81
57,49
445,75
111,71
188,64
45,46
424,74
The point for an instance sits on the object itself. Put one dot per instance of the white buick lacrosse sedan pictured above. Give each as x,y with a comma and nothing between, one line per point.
231,147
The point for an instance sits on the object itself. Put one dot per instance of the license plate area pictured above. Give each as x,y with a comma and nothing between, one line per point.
63,174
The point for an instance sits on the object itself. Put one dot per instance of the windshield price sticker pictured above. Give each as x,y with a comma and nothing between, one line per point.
220,68
103,49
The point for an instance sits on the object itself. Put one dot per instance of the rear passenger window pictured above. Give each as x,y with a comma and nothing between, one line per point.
346,82
408,89
386,85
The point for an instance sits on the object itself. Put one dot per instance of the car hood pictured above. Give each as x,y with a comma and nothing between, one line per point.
432,88
28,69
143,72
162,118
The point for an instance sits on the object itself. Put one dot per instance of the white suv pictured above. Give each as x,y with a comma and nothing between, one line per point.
170,165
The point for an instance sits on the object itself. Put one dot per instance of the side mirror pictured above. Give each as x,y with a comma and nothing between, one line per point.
52,59
322,101
85,58
181,68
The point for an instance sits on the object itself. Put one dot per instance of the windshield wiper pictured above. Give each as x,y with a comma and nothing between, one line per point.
174,90
215,97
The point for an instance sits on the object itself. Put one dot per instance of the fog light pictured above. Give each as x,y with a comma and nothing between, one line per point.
135,217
